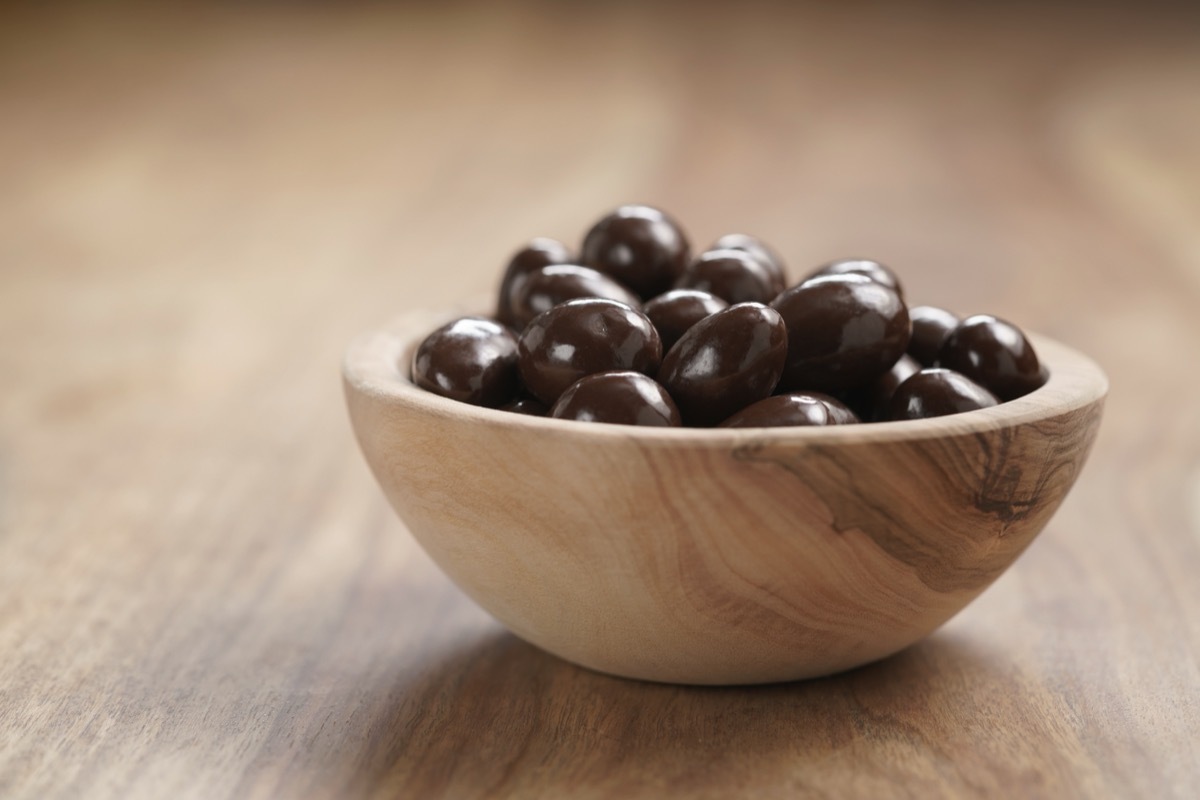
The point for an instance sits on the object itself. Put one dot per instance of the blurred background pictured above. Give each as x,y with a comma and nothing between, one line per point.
180,186
201,204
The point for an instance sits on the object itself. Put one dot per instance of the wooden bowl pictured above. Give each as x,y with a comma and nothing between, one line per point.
719,556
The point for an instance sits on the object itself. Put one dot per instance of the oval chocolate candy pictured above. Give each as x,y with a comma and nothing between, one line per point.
936,393
472,360
995,354
582,337
877,272
761,251
541,252
792,409
547,287
674,312
931,326
839,412
843,332
735,276
638,246
725,362
618,398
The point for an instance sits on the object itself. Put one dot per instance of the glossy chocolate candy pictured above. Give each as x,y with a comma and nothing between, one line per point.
839,412
930,328
725,362
639,247
937,393
540,252
994,354
791,409
583,337
862,266
472,360
871,401
618,398
735,276
545,288
761,251
674,312
529,406
844,331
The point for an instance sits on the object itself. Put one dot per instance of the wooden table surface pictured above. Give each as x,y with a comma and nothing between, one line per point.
202,591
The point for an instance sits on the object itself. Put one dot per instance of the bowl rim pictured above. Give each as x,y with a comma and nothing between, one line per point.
376,366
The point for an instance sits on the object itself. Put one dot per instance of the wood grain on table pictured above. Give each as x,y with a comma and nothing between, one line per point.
202,591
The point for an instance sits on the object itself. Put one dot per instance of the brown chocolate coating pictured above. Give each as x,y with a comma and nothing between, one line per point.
735,276
862,266
843,332
529,406
540,252
545,288
782,411
839,412
725,362
639,247
618,398
472,360
937,393
582,337
930,328
761,251
674,312
871,401
994,354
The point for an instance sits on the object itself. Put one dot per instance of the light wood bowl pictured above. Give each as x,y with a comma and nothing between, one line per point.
719,556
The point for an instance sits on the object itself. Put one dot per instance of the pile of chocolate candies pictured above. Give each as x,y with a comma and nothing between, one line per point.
633,330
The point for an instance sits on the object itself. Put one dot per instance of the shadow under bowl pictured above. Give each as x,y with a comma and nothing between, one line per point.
719,556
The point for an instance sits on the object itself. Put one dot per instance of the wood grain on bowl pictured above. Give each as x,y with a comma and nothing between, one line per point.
719,556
